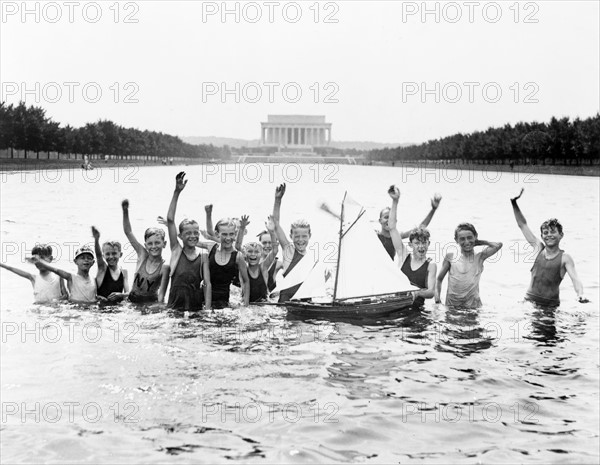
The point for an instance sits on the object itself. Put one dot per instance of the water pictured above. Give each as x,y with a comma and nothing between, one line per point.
506,383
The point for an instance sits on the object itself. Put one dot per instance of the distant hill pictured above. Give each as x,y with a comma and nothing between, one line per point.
221,141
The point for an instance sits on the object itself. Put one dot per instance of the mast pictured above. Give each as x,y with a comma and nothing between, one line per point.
337,268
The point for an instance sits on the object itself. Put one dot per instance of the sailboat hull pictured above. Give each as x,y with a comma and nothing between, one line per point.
363,308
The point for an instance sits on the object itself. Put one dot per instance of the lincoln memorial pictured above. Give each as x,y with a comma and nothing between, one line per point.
295,131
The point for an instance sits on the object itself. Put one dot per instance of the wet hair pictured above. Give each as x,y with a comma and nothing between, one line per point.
420,234
252,245
152,232
552,223
43,250
187,222
383,212
301,223
262,233
113,244
226,222
464,227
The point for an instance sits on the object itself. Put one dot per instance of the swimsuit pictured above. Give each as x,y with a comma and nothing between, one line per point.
545,280
221,277
145,286
110,285
186,291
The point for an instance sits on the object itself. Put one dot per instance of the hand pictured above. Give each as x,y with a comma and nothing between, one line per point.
180,181
244,221
101,299
162,221
125,204
582,300
270,224
95,233
394,192
208,209
279,191
114,297
435,202
514,199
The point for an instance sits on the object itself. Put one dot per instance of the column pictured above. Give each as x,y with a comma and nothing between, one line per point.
303,136
262,135
328,135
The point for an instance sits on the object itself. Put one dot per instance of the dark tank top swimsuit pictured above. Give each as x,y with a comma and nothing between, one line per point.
110,285
221,277
416,277
186,291
258,287
145,286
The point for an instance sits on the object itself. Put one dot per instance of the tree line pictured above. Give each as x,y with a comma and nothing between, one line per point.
559,141
29,129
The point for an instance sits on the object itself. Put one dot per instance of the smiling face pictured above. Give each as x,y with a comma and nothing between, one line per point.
466,240
154,245
419,248
300,238
189,234
252,254
111,254
227,235
267,245
551,236
84,262
384,217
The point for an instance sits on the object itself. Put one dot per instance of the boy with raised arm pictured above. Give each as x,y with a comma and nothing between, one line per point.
259,265
294,251
82,288
111,279
189,265
384,233
465,271
416,266
551,263
47,286
151,273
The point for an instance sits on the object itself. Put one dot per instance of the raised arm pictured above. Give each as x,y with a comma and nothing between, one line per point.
239,240
18,272
268,260
438,285
401,249
210,230
180,183
491,249
45,265
522,223
283,240
243,269
100,262
570,267
435,203
139,248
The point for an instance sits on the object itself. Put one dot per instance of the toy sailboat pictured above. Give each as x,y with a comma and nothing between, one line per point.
364,282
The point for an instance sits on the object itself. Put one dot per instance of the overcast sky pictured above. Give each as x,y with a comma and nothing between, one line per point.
374,68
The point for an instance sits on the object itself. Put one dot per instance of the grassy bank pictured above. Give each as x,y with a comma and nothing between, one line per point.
21,164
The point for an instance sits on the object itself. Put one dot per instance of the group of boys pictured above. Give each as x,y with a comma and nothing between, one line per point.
201,272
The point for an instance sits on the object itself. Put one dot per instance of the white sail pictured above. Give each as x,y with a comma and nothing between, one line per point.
314,286
365,268
298,274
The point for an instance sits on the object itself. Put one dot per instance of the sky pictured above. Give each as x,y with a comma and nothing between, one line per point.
381,71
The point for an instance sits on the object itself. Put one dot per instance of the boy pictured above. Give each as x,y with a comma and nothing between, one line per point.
82,288
259,265
112,280
225,263
384,234
416,266
465,271
551,263
189,265
151,274
293,251
269,242
47,287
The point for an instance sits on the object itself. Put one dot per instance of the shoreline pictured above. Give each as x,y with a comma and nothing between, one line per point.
22,164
